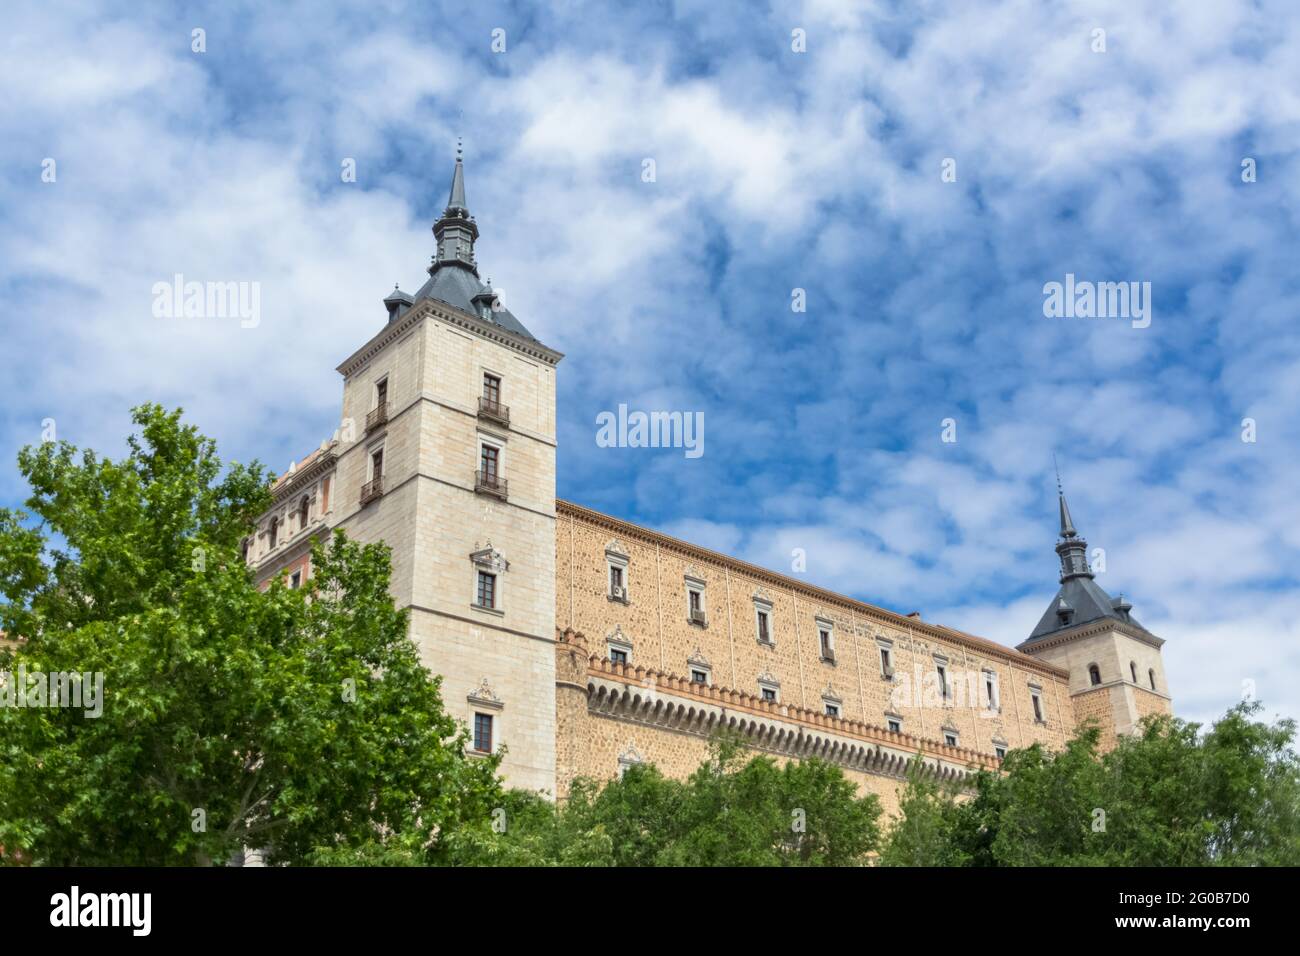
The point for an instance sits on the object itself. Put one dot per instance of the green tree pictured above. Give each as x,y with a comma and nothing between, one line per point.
933,828
1170,795
729,812
301,724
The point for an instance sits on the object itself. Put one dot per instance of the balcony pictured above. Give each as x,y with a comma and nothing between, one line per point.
372,489
490,408
377,417
490,483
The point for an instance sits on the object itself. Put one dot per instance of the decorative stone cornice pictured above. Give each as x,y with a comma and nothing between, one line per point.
289,486
808,592
656,698
489,557
1092,629
484,696
471,323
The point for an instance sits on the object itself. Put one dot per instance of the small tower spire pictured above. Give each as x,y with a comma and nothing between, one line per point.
456,200
456,230
1072,549
1067,523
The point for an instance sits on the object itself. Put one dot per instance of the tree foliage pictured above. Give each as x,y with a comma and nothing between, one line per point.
729,812
1168,796
296,722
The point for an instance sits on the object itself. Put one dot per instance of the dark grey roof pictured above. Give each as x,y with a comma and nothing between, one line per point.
457,286
1080,598
1087,601
453,277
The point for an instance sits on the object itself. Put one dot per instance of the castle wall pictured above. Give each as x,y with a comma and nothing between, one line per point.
653,627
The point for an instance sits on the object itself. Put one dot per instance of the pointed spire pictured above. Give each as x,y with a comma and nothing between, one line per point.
456,230
1072,549
456,200
1067,523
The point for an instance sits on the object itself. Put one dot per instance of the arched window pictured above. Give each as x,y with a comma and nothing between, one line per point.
1133,669
1094,674
304,512
274,531
1151,676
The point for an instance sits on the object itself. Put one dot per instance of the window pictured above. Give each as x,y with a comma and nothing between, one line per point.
895,725
769,694
274,532
377,464
942,671
304,512
695,608
950,738
620,646
701,671
1001,752
489,460
832,710
1151,675
1133,669
1037,700
886,663
295,581
324,495
763,618
991,694
487,590
483,733
616,560
1094,674
695,602
381,393
491,388
826,642
243,551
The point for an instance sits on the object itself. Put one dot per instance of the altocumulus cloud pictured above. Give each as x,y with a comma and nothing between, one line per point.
775,171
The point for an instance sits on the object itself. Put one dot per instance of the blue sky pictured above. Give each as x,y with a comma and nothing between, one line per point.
775,170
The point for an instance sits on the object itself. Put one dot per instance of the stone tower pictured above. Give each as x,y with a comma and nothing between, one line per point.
1117,676
447,453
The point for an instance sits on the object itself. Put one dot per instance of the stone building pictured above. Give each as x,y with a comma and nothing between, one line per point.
586,643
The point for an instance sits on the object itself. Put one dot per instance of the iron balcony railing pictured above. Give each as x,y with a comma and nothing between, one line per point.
490,482
377,416
372,489
490,408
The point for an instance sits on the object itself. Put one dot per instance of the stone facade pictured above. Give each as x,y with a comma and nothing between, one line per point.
644,640
600,643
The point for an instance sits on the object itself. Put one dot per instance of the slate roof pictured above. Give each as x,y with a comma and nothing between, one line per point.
1080,599
453,278
1089,603
455,285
